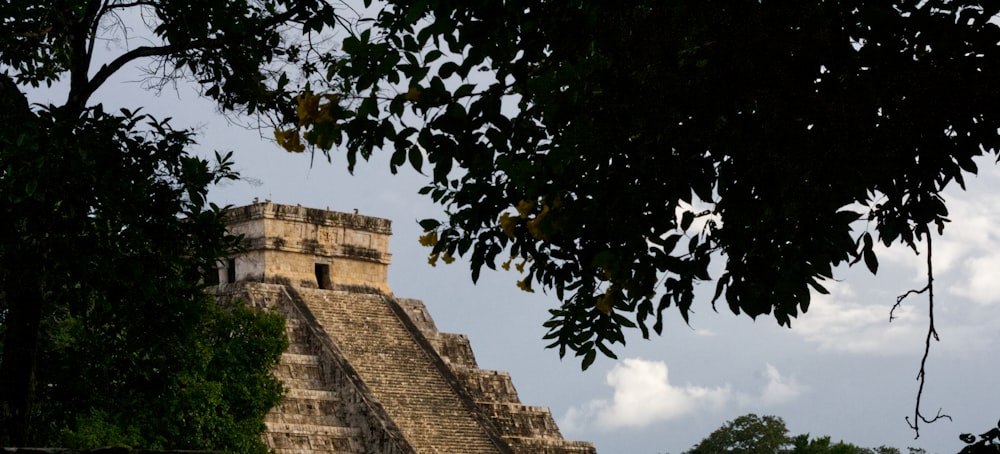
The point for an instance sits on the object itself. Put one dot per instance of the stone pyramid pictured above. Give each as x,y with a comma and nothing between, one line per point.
367,372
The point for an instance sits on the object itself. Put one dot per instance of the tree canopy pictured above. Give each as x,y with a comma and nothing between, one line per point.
752,434
107,335
619,154
747,434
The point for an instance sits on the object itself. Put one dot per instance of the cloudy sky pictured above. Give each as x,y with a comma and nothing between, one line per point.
843,369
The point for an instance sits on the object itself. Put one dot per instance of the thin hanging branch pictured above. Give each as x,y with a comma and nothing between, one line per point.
931,333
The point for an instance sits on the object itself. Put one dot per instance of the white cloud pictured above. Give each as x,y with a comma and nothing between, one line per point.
779,389
980,282
838,322
968,253
972,241
643,395
966,260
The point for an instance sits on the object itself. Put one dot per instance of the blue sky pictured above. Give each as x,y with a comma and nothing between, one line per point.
843,370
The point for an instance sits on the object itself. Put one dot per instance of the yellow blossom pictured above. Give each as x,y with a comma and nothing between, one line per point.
289,140
413,94
507,224
533,225
324,115
605,302
308,108
447,258
557,202
432,259
429,239
525,285
524,208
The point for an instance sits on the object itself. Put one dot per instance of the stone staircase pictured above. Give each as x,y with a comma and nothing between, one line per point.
327,407
368,373
433,415
306,422
525,428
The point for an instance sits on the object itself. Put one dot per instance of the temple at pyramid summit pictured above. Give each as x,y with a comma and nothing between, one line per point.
368,372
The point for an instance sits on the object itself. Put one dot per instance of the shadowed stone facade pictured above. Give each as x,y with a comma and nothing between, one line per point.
367,372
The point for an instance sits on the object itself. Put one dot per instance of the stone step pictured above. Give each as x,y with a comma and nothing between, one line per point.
488,385
312,429
549,446
307,403
398,371
300,371
312,451
311,394
303,438
292,358
300,340
305,383
454,349
518,420
302,419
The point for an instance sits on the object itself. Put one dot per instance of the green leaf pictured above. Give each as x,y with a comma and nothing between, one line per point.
868,253
588,358
429,224
818,287
687,218
432,56
416,158
464,90
606,351
871,261
398,159
447,70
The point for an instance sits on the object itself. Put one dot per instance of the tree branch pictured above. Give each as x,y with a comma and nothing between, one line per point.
931,333
129,5
95,25
80,95
107,70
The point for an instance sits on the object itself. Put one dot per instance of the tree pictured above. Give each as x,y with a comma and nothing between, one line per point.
106,248
108,231
751,434
747,434
615,167
822,445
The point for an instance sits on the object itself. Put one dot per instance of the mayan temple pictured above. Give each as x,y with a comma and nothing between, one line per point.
368,372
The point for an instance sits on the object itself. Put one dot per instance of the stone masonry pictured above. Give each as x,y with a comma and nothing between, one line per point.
367,372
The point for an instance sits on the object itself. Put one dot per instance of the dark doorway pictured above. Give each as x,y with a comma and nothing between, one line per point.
231,271
323,276
212,277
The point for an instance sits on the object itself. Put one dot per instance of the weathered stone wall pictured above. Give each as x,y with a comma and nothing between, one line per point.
293,244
